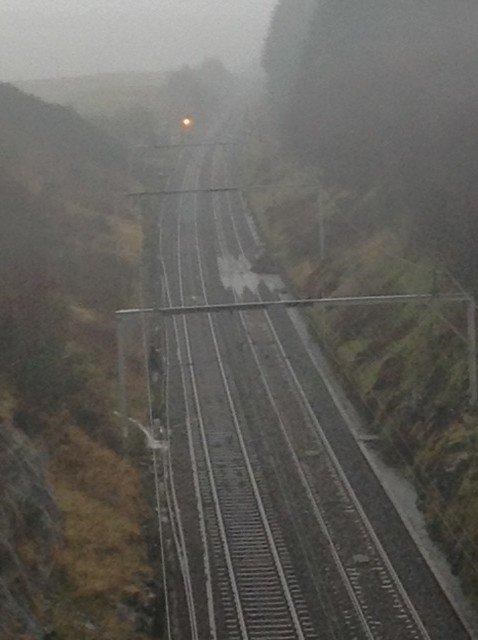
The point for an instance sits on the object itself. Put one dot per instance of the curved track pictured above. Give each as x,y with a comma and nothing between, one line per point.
286,547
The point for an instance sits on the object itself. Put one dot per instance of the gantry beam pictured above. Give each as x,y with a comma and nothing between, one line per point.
169,192
354,301
309,302
178,145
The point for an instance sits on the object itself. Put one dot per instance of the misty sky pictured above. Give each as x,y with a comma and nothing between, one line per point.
50,38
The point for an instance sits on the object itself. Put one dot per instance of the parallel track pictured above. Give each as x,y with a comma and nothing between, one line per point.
259,594
370,582
336,581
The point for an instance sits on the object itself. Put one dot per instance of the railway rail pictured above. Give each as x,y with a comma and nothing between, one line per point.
347,531
260,598
287,550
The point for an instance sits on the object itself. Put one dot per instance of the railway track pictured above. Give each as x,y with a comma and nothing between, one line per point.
379,600
287,549
259,595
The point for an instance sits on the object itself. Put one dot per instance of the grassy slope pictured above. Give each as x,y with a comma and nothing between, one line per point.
406,363
103,559
68,253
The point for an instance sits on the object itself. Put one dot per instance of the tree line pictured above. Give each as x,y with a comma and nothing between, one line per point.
384,96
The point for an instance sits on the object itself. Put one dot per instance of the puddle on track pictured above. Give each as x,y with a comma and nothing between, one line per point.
236,274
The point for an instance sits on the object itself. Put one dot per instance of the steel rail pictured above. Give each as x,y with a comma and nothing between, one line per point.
329,449
343,412
179,541
237,425
197,484
187,333
464,297
173,503
155,465
322,595
332,456
176,521
194,468
180,538
350,491
303,478
212,481
309,491
147,372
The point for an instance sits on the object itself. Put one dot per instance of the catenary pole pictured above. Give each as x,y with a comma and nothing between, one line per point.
122,397
472,353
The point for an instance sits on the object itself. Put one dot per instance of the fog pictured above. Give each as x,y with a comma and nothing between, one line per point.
320,468
55,38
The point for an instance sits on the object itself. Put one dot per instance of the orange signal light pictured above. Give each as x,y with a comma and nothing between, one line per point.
187,123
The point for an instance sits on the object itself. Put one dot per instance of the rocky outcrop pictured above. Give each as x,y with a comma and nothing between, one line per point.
28,534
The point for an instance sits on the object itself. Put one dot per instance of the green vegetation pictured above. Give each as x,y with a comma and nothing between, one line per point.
66,259
383,100
76,542
407,365
371,108
69,249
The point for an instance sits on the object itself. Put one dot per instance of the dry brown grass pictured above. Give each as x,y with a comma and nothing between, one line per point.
104,557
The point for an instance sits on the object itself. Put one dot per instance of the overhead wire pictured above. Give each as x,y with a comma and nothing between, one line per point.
447,520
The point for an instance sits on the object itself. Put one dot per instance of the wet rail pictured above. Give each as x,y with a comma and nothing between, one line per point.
288,550
258,595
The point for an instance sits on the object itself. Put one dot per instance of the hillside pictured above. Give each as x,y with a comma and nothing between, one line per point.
372,111
384,100
74,554
405,367
142,107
